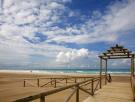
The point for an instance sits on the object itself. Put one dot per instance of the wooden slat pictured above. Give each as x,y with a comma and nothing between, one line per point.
70,96
85,91
42,95
77,93
115,57
96,86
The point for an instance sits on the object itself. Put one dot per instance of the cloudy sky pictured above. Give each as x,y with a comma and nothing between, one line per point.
59,33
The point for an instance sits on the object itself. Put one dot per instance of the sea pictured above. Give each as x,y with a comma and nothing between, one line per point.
70,70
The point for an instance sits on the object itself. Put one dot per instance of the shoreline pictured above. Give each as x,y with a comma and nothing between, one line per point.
37,72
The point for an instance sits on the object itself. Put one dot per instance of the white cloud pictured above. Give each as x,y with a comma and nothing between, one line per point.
118,19
69,56
24,18
21,19
55,5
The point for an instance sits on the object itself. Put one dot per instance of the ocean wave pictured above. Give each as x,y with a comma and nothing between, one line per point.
63,71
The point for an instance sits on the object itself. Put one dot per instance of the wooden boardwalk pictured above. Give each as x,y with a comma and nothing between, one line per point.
113,92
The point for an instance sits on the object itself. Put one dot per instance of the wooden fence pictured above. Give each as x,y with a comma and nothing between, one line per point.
76,87
52,81
133,86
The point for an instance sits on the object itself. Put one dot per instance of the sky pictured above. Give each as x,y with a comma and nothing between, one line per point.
62,33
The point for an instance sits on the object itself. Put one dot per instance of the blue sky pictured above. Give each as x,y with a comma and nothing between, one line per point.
60,33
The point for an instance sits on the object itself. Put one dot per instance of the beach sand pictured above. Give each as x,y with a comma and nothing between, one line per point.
11,87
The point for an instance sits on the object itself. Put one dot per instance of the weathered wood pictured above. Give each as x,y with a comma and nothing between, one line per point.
47,83
115,57
55,83
132,66
100,73
42,98
24,83
117,52
70,96
38,82
85,91
75,80
92,87
34,97
66,80
77,93
51,81
105,71
96,86
86,84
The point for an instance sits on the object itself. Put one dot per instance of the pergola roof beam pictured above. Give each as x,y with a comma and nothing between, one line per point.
117,52
118,57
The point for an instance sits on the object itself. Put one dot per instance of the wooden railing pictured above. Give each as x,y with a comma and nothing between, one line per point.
52,81
133,86
92,82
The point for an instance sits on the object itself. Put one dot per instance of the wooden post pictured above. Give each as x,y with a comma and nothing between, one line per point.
38,82
105,71
24,84
55,83
66,80
77,93
100,73
51,81
133,65
75,80
131,72
92,87
131,69
42,98
132,76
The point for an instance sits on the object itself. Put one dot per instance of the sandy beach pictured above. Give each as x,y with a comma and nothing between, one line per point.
11,86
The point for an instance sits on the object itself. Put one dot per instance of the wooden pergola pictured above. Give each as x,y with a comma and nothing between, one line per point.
116,52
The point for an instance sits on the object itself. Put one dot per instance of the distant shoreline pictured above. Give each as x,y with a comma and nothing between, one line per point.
41,72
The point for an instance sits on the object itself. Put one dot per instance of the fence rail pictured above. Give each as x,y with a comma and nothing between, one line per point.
52,81
76,87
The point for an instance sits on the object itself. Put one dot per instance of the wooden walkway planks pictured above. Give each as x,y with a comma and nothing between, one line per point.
113,92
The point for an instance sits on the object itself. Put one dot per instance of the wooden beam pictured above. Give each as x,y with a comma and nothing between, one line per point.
100,73
77,93
118,55
115,57
117,52
117,49
38,82
103,57
132,66
105,71
42,98
70,96
92,87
